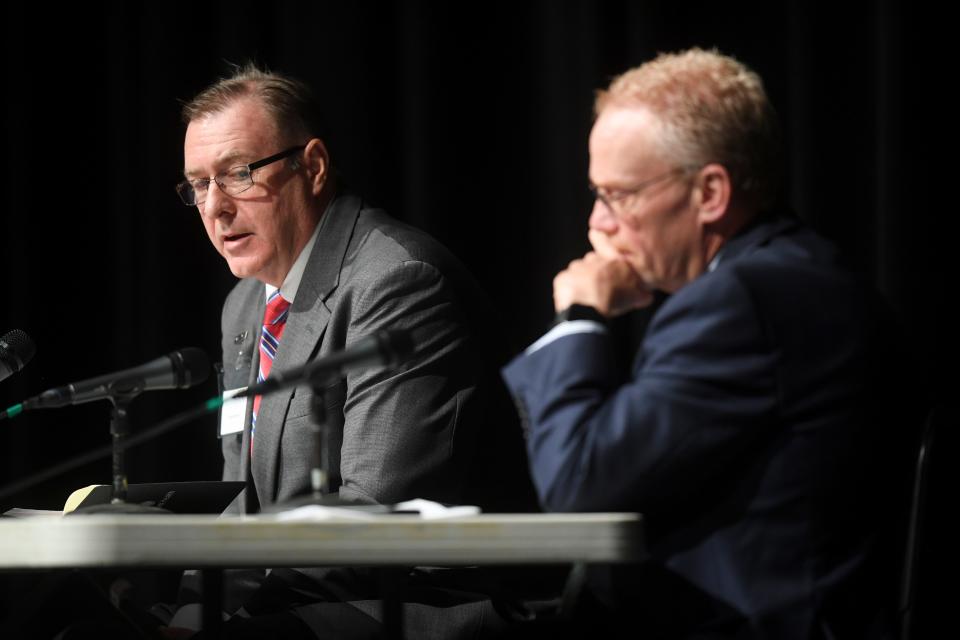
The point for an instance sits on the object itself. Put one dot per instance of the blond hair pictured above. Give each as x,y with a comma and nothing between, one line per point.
711,108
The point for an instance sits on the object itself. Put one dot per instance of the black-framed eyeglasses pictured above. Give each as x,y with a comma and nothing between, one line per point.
611,197
233,181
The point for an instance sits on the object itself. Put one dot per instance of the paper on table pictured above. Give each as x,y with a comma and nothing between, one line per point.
73,500
427,509
430,510
77,497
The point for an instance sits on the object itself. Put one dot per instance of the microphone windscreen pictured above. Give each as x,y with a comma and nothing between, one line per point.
17,347
191,367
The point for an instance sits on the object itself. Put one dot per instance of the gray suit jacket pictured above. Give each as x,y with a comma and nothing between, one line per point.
407,432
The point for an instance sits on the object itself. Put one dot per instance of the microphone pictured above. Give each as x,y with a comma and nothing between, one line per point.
177,370
382,348
16,350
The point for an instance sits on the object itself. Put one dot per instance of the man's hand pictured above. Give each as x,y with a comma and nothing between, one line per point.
602,246
608,284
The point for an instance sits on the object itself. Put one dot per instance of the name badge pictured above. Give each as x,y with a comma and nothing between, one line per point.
233,412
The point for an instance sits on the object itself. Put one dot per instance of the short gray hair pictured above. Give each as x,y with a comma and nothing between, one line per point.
290,102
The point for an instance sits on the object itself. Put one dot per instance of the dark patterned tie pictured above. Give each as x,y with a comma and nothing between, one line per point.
274,320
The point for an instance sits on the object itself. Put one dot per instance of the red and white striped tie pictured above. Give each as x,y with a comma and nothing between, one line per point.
274,320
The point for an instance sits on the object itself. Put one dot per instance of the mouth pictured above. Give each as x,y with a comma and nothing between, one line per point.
234,239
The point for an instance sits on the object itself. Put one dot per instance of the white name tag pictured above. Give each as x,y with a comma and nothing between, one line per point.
232,412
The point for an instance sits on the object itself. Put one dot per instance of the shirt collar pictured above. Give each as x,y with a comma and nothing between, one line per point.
716,261
288,290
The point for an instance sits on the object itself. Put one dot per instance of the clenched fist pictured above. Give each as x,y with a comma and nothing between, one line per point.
608,284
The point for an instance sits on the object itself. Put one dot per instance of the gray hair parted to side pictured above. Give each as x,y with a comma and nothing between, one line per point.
291,103
712,108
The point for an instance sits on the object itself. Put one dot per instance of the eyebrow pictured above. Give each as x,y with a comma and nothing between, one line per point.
607,187
231,159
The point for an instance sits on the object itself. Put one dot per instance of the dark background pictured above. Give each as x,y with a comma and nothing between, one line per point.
469,120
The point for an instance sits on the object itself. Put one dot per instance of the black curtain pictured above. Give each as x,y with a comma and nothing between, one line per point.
469,120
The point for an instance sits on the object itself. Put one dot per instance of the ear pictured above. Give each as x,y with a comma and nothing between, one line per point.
317,164
714,192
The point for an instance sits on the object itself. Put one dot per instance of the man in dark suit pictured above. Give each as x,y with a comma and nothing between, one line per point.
749,431
321,270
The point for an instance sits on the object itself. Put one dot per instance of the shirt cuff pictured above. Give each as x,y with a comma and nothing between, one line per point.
565,329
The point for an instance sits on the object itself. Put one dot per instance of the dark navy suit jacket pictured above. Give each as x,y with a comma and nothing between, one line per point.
754,434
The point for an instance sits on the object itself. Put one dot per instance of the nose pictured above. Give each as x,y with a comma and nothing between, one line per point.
217,203
601,218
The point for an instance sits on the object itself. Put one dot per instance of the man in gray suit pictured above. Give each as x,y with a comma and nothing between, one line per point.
258,171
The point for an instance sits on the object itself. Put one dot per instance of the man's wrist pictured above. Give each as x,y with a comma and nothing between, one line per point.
579,312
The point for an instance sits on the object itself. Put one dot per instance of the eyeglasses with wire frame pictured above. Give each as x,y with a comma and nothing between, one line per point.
233,181
610,197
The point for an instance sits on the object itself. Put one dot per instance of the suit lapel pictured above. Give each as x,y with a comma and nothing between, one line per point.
302,336
756,234
252,379
243,313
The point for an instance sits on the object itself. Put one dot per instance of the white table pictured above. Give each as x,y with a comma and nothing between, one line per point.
210,542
